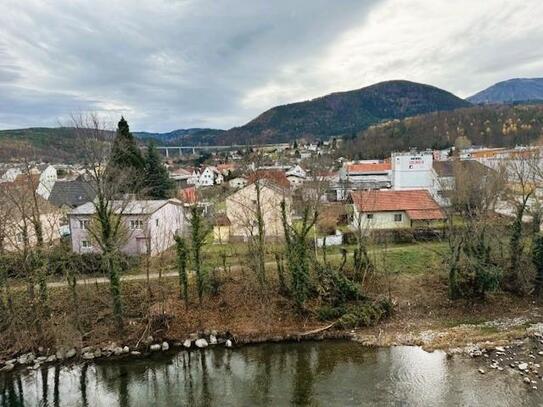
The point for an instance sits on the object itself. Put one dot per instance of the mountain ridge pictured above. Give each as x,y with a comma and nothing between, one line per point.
510,91
344,113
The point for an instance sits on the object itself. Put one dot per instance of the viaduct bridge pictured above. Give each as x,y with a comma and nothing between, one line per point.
180,150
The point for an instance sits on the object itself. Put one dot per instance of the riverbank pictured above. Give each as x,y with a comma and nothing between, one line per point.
240,313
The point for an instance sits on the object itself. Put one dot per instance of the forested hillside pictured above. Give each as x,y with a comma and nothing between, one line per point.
343,113
490,125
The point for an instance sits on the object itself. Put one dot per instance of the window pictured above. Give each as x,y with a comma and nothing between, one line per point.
84,224
19,238
136,224
85,244
369,216
156,222
397,217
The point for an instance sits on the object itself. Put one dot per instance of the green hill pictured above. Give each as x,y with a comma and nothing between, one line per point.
343,113
41,144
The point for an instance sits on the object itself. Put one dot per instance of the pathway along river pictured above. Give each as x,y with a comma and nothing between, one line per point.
329,373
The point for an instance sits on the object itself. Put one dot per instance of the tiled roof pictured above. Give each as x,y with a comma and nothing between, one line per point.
446,168
127,207
189,195
276,176
71,193
418,204
221,220
226,167
368,167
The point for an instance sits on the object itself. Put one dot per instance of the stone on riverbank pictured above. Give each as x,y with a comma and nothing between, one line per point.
88,355
126,349
201,343
212,339
165,346
155,347
523,366
228,343
8,367
187,343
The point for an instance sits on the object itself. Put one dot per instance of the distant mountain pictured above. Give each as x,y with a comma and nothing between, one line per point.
504,125
337,114
59,144
194,136
343,113
513,90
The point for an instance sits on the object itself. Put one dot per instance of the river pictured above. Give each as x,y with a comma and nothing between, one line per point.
328,373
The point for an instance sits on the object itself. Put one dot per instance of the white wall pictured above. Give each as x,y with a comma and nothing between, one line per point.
412,171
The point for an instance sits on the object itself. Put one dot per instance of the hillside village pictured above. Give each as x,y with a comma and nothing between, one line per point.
408,190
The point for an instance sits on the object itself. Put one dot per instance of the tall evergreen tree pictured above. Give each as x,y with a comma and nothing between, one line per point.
157,183
126,163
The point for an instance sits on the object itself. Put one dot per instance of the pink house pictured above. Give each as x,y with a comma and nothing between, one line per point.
148,226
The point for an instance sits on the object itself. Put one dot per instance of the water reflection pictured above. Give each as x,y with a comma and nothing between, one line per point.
306,374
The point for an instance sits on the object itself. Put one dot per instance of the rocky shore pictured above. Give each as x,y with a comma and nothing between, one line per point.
195,341
512,344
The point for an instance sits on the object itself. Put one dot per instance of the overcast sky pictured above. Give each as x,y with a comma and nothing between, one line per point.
168,64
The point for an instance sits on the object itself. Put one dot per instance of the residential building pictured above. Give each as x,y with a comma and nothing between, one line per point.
276,176
221,228
180,176
296,171
412,170
67,195
20,207
394,209
210,176
47,179
241,209
444,177
148,226
367,174
237,183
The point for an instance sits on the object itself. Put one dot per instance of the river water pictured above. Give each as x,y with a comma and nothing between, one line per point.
329,373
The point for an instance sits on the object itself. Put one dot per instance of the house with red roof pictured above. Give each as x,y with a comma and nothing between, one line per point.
363,175
389,209
278,177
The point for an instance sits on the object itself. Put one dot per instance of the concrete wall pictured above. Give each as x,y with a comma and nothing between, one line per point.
412,171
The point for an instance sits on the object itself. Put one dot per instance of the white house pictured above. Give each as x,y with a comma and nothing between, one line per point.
394,209
296,171
47,180
210,176
148,226
237,183
11,174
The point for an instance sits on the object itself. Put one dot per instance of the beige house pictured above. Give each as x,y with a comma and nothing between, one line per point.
221,229
394,209
20,208
241,209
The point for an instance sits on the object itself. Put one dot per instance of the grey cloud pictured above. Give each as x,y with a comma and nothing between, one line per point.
168,63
